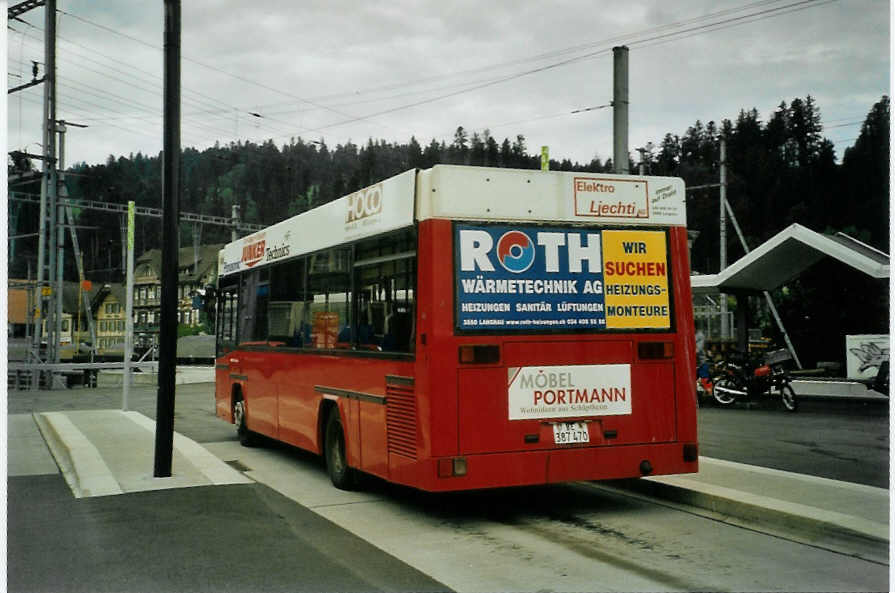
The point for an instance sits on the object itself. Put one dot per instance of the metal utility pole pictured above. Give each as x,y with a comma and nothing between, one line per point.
620,110
725,331
60,239
48,185
79,260
164,427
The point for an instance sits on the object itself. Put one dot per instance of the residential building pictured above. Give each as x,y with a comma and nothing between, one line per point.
110,319
196,270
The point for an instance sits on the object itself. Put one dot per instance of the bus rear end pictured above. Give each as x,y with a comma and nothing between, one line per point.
555,331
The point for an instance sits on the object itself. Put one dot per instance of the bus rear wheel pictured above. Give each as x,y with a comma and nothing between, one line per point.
247,438
342,476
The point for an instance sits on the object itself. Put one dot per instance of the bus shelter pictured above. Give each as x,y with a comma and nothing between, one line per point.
782,258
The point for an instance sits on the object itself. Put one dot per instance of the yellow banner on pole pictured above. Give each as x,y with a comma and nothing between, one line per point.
130,225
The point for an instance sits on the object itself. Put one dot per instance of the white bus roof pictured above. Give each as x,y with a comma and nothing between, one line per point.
464,193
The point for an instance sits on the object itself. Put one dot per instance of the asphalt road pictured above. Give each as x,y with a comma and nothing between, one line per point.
216,538
256,538
840,440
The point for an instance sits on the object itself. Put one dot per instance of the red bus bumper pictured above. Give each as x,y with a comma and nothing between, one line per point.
528,468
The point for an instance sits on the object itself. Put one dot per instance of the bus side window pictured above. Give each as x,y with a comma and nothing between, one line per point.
399,336
226,318
329,288
385,277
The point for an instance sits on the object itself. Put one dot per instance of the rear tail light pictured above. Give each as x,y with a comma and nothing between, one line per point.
451,466
655,350
445,468
479,354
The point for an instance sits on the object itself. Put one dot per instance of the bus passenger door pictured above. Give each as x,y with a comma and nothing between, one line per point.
260,392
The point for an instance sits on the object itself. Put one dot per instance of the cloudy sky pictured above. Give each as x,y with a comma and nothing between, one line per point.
341,71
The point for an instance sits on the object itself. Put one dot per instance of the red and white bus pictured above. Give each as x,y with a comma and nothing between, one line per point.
467,327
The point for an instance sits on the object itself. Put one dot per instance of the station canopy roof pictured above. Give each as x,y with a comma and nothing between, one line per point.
786,255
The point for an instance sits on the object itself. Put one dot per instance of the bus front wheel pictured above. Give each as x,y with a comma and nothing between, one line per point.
342,476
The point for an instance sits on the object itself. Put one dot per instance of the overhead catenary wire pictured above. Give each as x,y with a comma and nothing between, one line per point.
218,107
632,37
212,108
538,57
139,78
801,4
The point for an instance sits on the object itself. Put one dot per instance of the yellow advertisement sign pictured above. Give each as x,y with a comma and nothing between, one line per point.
635,275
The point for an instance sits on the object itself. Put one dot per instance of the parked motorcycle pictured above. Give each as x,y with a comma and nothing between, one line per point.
744,379
704,382
706,373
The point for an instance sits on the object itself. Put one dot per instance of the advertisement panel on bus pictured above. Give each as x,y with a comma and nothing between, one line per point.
530,278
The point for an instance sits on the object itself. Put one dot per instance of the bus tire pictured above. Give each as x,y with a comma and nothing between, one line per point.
247,438
342,476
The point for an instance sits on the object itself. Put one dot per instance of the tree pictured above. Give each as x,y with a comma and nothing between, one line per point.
476,151
432,154
459,149
669,155
864,201
506,155
492,151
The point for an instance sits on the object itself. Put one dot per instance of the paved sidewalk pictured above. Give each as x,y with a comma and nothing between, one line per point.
105,452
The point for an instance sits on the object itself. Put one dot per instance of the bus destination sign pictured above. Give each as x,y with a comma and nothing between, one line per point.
525,278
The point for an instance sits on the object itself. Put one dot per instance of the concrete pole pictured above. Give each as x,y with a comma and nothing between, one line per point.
620,110
234,217
197,239
725,330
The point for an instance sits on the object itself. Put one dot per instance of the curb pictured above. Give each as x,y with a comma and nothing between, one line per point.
761,510
82,466
822,528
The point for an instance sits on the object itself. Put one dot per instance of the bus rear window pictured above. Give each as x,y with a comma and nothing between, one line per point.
525,278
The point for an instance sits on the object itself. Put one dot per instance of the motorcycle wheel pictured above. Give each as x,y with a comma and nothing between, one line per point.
788,397
725,399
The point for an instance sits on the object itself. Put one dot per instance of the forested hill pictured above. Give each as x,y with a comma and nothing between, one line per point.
781,170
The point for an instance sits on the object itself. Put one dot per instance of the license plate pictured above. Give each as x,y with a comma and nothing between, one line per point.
565,433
